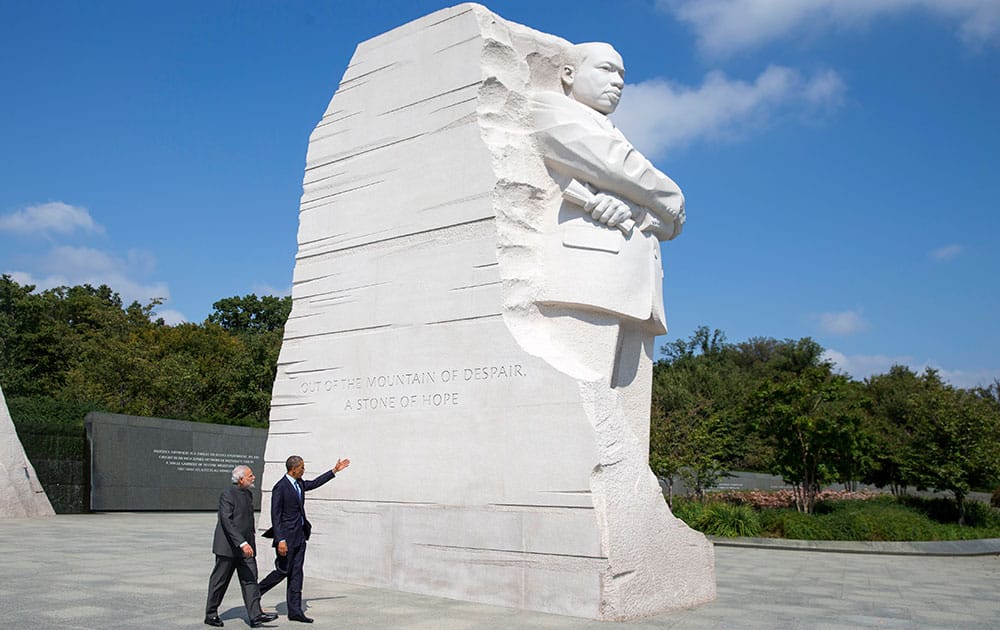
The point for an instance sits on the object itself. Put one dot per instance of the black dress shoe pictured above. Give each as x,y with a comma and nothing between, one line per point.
261,619
214,621
301,618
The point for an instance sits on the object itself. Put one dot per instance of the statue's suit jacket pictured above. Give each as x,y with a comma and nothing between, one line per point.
589,264
288,511
235,523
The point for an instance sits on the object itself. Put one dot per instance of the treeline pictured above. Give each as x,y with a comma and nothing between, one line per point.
775,406
84,346
760,405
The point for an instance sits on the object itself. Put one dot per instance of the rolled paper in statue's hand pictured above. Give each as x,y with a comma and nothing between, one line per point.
579,195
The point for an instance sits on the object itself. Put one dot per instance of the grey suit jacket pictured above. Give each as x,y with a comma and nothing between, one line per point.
235,522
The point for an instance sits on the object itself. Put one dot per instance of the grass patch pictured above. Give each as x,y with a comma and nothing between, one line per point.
881,518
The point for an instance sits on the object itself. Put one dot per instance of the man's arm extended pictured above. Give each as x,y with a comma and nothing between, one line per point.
326,476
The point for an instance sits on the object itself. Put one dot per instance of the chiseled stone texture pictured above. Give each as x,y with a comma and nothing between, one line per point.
21,496
481,469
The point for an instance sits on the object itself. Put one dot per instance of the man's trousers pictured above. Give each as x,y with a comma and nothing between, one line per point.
293,560
218,582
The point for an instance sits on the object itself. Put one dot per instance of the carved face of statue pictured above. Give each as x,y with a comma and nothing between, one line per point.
597,78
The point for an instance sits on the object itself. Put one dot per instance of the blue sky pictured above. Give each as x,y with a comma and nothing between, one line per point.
839,157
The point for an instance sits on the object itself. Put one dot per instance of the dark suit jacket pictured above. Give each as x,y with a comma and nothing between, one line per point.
288,512
235,522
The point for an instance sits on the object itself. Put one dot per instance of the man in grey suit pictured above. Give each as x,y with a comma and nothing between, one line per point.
234,549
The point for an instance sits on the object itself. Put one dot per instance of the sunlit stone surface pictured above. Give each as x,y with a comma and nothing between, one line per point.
21,495
498,435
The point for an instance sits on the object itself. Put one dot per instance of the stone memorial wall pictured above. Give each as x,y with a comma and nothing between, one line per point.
140,463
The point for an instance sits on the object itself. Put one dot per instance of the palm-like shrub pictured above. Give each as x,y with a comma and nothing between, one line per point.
723,519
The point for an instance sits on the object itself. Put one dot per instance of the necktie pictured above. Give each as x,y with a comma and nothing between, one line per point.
298,491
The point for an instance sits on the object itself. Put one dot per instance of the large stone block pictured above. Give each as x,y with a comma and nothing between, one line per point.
21,495
499,449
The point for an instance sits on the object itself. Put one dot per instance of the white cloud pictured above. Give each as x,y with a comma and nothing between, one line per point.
55,217
727,26
841,323
947,252
968,379
861,366
170,316
265,289
69,266
658,115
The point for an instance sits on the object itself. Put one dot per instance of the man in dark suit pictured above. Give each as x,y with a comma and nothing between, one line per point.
291,530
234,549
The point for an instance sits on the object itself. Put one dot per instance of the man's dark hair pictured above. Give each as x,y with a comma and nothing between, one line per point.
292,462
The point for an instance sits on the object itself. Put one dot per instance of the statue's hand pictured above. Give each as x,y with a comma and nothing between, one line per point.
608,209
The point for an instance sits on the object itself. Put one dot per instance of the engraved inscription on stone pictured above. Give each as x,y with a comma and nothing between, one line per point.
202,462
410,390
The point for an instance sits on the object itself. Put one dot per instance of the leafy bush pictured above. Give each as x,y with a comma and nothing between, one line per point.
995,498
789,523
688,510
878,522
723,519
944,510
978,514
51,412
52,434
874,518
829,505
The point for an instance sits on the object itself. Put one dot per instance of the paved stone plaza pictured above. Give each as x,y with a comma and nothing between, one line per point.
150,570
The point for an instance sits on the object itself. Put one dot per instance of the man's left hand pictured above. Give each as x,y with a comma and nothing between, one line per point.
341,464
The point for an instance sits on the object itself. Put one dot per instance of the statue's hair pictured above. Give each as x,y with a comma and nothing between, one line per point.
576,54
240,472
293,461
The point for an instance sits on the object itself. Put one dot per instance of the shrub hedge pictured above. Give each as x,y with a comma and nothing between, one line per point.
52,434
876,518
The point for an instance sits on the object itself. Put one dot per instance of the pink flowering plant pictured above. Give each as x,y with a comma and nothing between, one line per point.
777,499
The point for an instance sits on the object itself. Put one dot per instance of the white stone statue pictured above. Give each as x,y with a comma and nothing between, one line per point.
613,274
482,343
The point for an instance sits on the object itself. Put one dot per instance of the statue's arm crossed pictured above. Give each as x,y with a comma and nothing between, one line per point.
576,145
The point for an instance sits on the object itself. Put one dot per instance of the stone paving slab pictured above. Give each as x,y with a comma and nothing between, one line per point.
150,570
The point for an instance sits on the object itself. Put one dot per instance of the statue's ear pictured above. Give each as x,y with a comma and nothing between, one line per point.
567,75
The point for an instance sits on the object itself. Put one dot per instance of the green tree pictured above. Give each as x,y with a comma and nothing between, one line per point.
696,389
956,440
812,422
45,336
890,423
82,343
259,323
250,313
